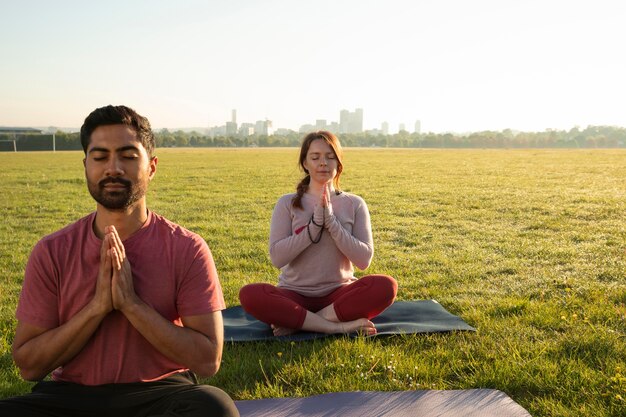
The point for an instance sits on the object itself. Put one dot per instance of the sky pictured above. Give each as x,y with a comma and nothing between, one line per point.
454,65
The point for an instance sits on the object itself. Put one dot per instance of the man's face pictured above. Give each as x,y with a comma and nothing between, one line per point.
117,167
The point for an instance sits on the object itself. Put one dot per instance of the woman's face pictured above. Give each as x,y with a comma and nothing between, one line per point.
321,162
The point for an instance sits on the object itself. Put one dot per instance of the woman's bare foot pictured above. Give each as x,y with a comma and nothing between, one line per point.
316,323
282,331
359,325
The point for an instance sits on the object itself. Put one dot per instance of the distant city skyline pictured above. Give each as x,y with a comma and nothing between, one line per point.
349,122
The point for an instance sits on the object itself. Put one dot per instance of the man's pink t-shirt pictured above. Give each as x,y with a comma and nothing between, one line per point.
173,272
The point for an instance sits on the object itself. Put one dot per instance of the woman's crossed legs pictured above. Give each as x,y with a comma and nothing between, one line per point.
347,309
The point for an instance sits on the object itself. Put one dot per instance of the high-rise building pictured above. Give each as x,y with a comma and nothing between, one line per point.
246,129
231,127
402,127
418,126
384,127
358,121
351,122
344,119
263,128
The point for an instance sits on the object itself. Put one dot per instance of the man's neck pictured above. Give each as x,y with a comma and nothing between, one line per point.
126,221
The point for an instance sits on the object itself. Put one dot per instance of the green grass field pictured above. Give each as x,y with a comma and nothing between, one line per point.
525,245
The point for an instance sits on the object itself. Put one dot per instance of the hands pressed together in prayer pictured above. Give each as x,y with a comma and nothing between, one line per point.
323,211
114,290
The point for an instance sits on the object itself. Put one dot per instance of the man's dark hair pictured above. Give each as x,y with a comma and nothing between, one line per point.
118,115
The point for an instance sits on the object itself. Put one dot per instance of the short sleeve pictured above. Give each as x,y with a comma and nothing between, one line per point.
199,291
38,303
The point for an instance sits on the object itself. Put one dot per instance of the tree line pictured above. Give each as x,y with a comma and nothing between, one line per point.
590,137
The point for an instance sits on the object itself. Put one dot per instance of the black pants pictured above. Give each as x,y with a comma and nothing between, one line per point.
176,396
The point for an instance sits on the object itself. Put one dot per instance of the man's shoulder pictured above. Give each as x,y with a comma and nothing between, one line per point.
71,230
173,229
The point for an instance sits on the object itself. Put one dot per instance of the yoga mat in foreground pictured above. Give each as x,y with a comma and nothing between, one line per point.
402,317
455,403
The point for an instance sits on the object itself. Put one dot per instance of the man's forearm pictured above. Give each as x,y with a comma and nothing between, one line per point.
192,348
38,351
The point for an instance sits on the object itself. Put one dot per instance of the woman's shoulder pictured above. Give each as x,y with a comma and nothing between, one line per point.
286,199
355,201
355,198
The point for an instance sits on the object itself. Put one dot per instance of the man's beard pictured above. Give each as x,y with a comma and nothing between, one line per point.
118,199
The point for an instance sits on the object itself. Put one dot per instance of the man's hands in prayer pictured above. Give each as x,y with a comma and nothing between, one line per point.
115,289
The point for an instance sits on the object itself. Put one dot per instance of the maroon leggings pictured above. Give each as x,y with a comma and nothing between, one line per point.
364,298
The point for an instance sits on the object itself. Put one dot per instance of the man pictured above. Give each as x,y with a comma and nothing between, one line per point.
123,307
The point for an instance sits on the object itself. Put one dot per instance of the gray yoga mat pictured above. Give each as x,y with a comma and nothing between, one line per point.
453,403
402,317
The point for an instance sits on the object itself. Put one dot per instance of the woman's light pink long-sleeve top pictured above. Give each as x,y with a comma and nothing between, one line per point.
314,270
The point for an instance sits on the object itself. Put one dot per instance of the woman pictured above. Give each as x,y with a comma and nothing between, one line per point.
316,235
